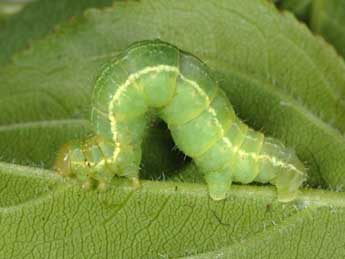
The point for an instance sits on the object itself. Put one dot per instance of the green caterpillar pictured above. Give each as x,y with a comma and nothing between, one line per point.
154,78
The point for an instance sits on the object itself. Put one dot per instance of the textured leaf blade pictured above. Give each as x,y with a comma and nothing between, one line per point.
313,234
163,219
20,187
36,20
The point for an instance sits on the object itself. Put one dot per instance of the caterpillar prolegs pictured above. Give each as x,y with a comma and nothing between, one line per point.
154,78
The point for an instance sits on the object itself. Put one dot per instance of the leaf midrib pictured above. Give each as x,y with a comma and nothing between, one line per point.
43,124
309,197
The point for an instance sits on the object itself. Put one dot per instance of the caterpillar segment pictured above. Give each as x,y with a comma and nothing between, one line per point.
181,90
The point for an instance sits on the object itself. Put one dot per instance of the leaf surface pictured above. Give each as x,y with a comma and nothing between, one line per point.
162,219
36,20
279,77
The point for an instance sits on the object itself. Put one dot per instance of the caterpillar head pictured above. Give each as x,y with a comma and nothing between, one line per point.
85,163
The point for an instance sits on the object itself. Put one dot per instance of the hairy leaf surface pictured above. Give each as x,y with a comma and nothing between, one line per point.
161,220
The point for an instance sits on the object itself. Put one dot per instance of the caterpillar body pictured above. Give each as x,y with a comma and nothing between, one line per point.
154,78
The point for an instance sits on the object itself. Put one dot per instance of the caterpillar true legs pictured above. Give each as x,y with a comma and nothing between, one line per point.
153,78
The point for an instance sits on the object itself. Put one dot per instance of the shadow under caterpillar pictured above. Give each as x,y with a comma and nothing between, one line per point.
154,78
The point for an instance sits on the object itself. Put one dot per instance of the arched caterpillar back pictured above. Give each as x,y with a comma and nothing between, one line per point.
154,78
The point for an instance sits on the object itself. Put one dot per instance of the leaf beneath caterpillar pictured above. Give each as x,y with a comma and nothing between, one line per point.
279,77
42,218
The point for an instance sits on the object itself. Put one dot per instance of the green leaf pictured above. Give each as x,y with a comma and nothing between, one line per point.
280,78
328,19
162,219
36,20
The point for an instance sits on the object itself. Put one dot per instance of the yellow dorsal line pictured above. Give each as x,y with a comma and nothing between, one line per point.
122,88
166,68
